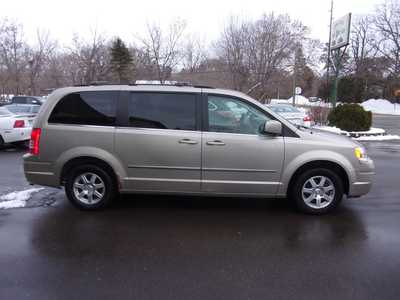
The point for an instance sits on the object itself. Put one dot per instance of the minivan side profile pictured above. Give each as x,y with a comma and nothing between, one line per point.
99,141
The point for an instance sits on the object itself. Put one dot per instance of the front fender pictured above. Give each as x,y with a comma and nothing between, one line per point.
293,164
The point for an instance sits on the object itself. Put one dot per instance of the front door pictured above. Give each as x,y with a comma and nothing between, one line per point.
237,159
160,146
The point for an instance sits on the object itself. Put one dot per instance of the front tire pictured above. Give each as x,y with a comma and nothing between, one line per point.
89,187
317,191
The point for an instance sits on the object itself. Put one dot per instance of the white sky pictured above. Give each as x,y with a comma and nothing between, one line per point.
129,18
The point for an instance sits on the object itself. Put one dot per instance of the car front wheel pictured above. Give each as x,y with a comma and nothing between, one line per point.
317,191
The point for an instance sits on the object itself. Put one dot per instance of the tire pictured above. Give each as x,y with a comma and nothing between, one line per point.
317,191
21,144
82,193
1,142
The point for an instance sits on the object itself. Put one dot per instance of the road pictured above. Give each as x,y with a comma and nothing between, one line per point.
195,248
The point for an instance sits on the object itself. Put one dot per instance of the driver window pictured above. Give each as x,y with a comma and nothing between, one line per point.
233,116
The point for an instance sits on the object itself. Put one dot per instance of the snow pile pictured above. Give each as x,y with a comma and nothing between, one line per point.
300,100
279,101
381,106
374,134
378,138
17,199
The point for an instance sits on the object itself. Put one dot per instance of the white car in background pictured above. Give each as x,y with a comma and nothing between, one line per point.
297,116
14,128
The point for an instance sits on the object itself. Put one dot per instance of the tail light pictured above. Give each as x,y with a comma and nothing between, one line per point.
35,141
307,119
19,124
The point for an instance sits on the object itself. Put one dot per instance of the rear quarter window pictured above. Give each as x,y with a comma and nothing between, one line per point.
86,108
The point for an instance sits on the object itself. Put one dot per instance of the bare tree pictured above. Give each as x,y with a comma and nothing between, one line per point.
254,51
387,25
13,53
38,57
231,48
89,59
362,44
194,54
163,50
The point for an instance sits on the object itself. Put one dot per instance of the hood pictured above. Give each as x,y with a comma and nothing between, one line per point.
326,137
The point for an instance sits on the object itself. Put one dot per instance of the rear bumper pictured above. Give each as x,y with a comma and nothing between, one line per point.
363,182
40,173
16,134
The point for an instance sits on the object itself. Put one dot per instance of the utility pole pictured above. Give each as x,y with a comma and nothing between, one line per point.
294,75
329,48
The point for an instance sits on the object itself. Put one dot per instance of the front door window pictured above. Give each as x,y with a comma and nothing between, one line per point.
231,115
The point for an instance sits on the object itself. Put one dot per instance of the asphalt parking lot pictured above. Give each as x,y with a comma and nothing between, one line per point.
203,248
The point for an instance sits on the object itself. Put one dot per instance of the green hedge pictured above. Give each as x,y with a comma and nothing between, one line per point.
350,117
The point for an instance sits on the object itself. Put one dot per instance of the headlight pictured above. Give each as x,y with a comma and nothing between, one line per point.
360,153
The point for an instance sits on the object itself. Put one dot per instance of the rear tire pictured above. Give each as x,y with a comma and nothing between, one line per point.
21,144
317,191
89,187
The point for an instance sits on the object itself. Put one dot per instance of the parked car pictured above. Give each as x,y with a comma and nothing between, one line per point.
28,109
293,114
99,141
26,100
14,129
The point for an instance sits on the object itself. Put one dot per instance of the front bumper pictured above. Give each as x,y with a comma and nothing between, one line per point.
362,184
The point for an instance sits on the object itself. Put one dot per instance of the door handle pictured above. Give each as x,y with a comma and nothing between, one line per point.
188,142
216,143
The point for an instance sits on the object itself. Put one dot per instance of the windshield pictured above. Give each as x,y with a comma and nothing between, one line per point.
4,112
19,109
284,109
35,109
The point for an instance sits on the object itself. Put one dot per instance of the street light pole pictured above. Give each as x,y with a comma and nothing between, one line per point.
294,76
329,47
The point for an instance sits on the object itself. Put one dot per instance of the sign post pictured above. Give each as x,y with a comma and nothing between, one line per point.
340,37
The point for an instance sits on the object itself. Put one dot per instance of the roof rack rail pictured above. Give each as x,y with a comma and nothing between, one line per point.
203,86
172,83
96,83
148,83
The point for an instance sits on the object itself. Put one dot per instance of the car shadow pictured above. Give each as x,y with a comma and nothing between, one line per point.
166,221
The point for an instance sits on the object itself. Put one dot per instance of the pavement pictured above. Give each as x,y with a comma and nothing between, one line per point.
203,248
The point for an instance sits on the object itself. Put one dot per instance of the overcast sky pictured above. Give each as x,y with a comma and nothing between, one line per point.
129,18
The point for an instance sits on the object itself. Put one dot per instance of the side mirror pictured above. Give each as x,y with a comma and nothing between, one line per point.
272,127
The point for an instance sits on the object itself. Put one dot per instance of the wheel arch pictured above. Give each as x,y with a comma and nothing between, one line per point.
88,160
326,164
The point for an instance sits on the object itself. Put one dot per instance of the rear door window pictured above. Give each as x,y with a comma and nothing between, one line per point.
86,108
175,111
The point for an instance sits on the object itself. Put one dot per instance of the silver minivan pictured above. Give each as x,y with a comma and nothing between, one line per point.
99,141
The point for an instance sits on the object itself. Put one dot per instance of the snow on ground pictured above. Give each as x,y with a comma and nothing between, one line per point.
374,134
17,199
387,137
381,106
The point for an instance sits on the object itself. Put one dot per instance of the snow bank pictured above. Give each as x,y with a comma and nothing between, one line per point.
388,137
17,199
381,106
301,100
374,134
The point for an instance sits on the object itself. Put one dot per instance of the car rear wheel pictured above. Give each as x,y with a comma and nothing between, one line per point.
89,187
21,144
317,191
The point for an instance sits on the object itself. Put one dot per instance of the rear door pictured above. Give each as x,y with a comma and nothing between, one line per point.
160,141
237,159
